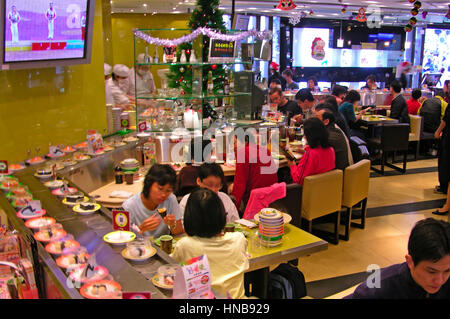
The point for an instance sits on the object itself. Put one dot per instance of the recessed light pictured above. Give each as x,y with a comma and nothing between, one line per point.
144,4
132,10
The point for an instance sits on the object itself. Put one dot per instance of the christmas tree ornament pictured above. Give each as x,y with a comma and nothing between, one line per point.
417,4
181,69
286,5
408,28
361,17
344,9
414,11
412,21
214,66
448,12
411,1
311,13
188,51
424,14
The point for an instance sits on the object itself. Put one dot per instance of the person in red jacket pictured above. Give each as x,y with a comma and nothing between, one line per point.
319,155
255,168
413,103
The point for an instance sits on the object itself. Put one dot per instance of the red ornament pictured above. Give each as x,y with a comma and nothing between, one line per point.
414,11
286,5
411,1
214,66
183,93
188,51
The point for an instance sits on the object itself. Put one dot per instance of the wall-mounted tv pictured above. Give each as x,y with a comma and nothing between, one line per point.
45,33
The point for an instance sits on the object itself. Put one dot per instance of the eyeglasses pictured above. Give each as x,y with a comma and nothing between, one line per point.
218,186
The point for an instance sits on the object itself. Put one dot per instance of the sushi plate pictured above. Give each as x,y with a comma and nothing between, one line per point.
77,208
149,252
64,261
28,214
159,282
60,233
39,222
53,248
99,273
119,237
86,199
58,192
112,287
287,218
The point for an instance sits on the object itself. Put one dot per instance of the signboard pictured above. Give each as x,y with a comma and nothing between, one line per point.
221,51
193,279
121,220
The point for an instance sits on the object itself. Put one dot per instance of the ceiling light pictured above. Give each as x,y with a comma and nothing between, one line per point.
386,43
144,4
132,10
340,43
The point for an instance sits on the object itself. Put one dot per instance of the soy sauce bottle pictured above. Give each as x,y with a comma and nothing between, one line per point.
118,174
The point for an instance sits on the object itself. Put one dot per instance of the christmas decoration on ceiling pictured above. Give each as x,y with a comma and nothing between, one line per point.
414,12
361,17
448,12
317,49
286,5
297,17
344,9
424,14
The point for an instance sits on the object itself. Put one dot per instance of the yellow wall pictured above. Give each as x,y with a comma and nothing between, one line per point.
123,40
56,105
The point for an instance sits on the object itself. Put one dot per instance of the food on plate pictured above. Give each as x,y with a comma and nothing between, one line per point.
16,167
87,206
35,160
74,198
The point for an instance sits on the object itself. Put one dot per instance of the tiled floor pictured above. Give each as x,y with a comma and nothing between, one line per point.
384,240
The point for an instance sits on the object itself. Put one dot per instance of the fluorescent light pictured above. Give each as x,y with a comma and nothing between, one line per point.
340,43
407,45
386,43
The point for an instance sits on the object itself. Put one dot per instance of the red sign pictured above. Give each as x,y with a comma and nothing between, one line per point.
136,295
121,220
3,167
142,126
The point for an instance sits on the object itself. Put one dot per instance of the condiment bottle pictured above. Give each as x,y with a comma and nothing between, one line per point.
118,174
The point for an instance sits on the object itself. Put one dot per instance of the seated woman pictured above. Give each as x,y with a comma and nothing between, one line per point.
210,176
204,221
319,155
347,109
156,194
187,177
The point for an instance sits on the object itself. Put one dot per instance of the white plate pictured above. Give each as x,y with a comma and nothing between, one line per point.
158,282
149,252
46,176
77,208
115,239
287,218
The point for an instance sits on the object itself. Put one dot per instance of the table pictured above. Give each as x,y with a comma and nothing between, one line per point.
296,243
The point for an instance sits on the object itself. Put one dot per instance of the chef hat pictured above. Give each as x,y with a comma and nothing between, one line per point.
107,69
121,70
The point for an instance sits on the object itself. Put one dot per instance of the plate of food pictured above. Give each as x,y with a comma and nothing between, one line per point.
47,235
16,167
68,149
43,173
108,148
68,162
73,260
29,214
82,157
86,208
57,183
60,193
80,145
119,237
86,273
36,223
138,253
100,289
130,139
74,199
9,183
97,152
35,160
58,247
56,155
165,276
287,218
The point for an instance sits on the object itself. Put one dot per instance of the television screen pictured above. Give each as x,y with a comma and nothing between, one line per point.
39,30
436,53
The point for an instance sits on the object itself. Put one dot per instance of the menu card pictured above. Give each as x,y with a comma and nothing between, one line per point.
121,220
193,279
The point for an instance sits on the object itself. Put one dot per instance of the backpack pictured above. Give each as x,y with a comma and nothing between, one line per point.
286,282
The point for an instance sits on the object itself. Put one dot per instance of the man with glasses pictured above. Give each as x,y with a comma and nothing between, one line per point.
155,210
210,176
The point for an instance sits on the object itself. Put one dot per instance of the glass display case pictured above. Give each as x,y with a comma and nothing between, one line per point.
194,88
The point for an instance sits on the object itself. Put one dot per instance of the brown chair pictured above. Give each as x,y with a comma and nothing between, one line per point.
355,190
394,138
414,136
321,196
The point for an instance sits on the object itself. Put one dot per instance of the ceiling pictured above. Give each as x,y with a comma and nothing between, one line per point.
390,10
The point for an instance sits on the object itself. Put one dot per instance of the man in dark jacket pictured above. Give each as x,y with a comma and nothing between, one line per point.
426,270
399,108
432,111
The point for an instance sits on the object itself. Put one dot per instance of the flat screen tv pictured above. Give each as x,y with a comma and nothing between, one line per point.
45,33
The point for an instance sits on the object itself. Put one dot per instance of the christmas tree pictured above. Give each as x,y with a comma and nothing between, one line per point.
206,14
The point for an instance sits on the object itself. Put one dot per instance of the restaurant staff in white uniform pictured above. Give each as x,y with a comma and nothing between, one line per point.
14,19
120,86
144,79
107,72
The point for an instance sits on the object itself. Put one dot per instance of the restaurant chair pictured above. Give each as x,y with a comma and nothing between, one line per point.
321,196
414,136
358,148
355,190
291,204
394,138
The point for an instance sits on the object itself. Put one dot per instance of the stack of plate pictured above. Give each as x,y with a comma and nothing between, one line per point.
271,227
129,165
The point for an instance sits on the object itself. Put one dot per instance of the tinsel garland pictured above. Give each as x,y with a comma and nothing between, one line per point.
204,31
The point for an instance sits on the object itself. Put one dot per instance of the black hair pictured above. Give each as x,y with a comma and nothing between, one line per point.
287,72
322,106
312,78
162,174
304,94
315,133
332,102
204,215
429,240
396,85
210,169
416,94
195,144
276,80
275,90
371,77
352,96
328,115
339,89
